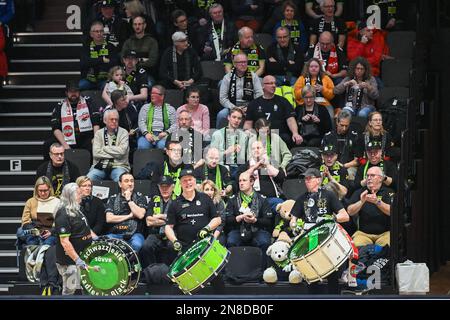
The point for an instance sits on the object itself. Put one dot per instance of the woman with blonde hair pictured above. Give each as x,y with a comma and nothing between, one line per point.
210,188
91,206
39,215
375,132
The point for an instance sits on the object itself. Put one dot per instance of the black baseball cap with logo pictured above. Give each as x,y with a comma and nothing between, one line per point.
167,180
187,172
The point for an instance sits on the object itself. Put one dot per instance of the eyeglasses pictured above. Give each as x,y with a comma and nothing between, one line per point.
240,62
157,93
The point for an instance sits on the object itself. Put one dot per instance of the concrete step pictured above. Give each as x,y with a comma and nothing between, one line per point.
24,132
33,91
8,242
47,37
31,78
8,258
26,162
27,105
16,193
51,25
9,225
46,50
24,65
17,177
29,147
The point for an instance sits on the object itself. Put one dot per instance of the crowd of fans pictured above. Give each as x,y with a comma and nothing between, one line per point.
301,91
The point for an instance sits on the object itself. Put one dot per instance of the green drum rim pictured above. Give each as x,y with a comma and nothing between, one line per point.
309,241
112,276
188,258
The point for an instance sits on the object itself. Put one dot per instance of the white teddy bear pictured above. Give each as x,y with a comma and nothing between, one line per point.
278,251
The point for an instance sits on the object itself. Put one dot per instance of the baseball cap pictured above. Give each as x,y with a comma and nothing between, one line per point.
186,172
179,36
72,86
373,145
329,149
311,172
130,54
108,3
165,180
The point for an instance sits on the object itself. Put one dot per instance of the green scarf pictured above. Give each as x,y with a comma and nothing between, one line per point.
268,145
246,200
150,114
175,177
218,181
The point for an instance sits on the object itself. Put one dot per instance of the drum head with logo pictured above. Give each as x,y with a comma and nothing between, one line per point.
311,239
114,268
189,257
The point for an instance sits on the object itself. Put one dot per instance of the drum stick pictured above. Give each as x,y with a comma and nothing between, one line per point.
95,268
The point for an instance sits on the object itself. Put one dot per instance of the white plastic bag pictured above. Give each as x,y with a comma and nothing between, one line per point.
412,278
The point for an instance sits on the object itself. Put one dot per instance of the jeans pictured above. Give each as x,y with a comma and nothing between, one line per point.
221,119
136,241
143,143
98,175
29,239
260,239
363,112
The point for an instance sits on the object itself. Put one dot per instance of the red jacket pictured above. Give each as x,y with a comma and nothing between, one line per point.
3,62
372,51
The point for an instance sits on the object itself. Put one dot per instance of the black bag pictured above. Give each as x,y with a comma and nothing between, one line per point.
302,160
156,273
394,112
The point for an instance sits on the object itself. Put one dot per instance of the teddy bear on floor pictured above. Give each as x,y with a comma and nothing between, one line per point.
281,268
283,229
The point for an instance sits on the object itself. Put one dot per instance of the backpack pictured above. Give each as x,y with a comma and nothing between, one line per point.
394,112
302,160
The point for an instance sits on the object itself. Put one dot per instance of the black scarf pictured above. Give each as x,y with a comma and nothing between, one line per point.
359,96
322,22
285,61
318,81
66,176
106,164
311,206
187,64
248,87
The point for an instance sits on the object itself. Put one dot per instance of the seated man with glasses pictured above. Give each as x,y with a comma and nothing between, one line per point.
171,166
156,120
275,109
110,149
375,159
328,22
284,59
57,169
372,205
237,89
97,57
